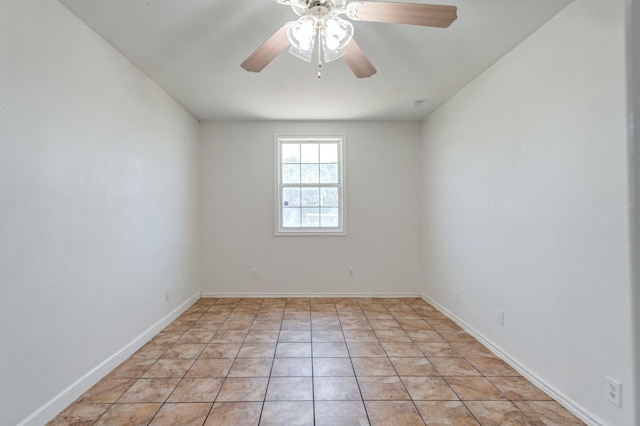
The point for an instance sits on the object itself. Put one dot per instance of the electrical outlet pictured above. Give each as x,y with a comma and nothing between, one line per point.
167,295
500,317
613,390
352,272
255,272
456,297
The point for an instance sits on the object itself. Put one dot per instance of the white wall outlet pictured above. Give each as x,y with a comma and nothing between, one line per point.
255,272
456,297
167,295
614,388
352,272
500,317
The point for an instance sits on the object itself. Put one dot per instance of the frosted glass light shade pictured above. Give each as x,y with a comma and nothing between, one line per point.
336,35
301,35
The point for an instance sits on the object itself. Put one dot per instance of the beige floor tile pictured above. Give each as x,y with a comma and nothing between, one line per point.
519,389
294,336
196,389
492,366
445,413
474,389
437,349
329,350
327,336
290,413
254,336
210,368
323,367
284,367
243,389
453,366
128,414
221,350
290,389
168,368
336,389
106,391
257,350
373,367
397,413
388,388
428,389
234,413
80,415
366,349
498,413
401,349
149,390
548,413
251,367
187,350
419,366
183,414
293,350
343,413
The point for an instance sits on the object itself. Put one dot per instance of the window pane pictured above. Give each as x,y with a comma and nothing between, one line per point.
311,218
329,197
291,197
329,153
310,197
290,153
329,173
310,173
291,173
309,153
329,218
291,217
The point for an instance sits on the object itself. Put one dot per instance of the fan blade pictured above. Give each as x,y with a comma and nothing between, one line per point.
428,15
357,61
267,52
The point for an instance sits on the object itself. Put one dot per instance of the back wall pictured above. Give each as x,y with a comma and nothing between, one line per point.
383,220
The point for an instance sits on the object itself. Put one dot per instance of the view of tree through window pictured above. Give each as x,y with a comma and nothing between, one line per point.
310,184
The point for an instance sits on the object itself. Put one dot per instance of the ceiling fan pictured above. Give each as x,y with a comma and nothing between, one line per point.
319,23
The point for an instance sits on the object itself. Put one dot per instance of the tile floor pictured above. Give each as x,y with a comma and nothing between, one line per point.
319,361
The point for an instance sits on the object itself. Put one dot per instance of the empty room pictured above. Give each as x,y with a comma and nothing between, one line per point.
319,212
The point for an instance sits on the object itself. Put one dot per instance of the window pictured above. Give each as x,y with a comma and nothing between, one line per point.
310,185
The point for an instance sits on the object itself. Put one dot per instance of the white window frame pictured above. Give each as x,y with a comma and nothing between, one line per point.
340,230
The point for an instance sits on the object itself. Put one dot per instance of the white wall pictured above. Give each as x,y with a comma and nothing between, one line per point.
525,199
98,205
633,82
383,241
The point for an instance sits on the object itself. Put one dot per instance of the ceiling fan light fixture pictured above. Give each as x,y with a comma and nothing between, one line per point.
302,37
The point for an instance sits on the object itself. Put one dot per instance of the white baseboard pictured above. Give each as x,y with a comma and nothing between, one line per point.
579,411
59,402
337,295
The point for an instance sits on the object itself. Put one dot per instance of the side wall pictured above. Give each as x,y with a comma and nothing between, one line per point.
525,201
383,241
633,74
98,208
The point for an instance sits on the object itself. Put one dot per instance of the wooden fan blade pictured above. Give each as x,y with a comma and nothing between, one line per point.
357,61
267,52
428,15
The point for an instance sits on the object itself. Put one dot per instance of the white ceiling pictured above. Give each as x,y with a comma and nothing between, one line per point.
193,49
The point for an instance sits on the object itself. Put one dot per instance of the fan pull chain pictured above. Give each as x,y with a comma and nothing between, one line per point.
319,52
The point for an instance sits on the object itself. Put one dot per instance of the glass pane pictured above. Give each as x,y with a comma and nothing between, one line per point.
329,153
329,218
329,197
329,173
310,173
309,152
291,173
291,197
311,218
291,218
290,152
310,197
